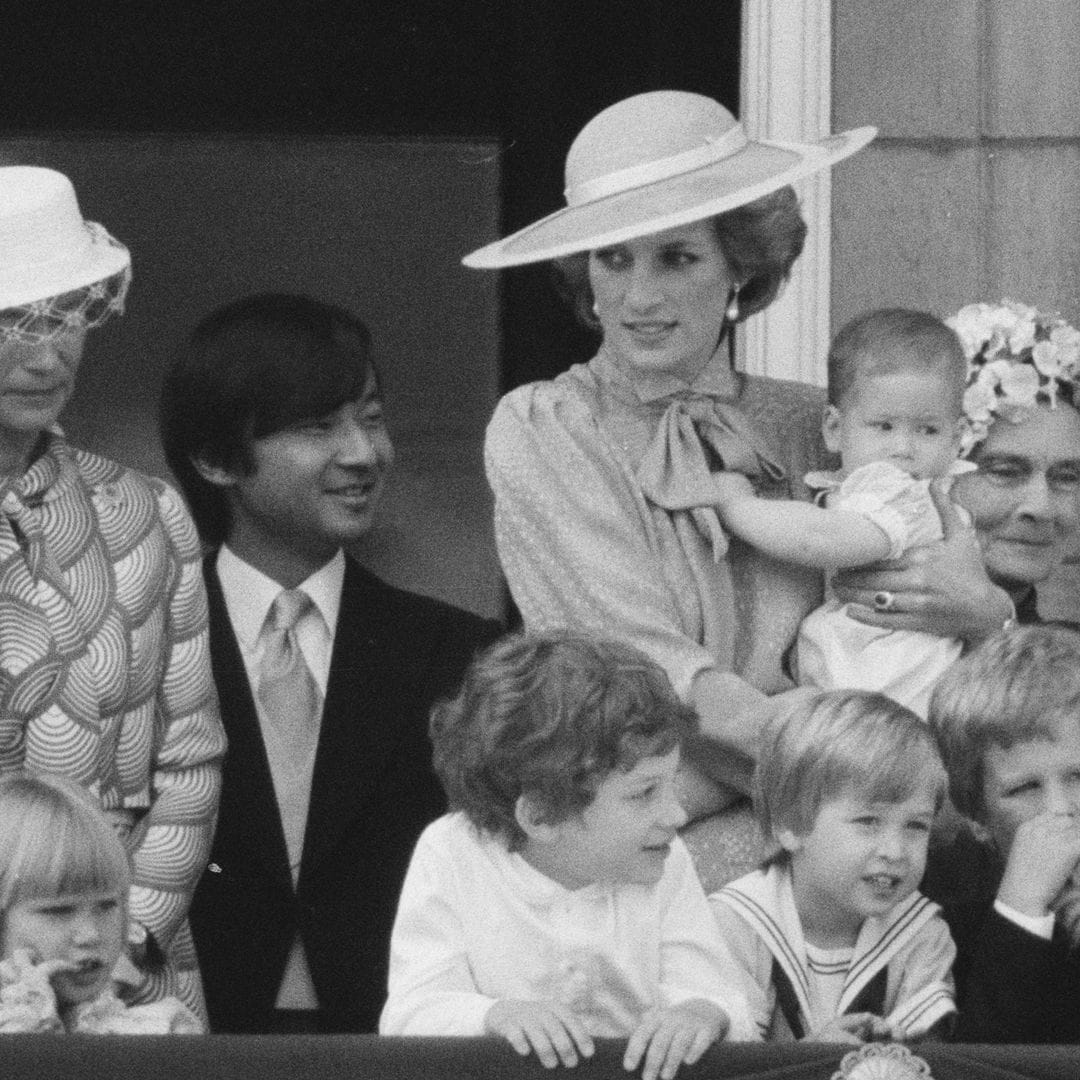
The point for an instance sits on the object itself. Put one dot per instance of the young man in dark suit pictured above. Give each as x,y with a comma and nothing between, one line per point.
272,423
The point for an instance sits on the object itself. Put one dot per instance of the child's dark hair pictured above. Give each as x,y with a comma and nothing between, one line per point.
890,340
818,749
549,716
1013,688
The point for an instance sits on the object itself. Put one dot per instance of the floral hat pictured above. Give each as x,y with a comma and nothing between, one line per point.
1018,358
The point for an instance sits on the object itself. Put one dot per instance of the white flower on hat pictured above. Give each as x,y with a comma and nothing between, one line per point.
1018,384
1066,339
1018,357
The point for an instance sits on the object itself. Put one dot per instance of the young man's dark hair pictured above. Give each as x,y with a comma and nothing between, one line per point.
250,369
273,424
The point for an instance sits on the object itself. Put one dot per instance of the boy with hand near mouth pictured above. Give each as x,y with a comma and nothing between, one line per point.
1007,719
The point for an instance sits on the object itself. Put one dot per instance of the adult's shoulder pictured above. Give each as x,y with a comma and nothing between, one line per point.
569,396
424,616
106,477
783,399
788,415
122,493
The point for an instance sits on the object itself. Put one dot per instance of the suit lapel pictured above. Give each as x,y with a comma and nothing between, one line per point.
249,806
358,730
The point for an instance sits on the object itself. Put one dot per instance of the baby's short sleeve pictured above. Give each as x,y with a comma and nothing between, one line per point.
897,503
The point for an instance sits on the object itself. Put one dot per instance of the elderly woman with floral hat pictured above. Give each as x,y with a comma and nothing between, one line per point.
677,226
1023,436
104,670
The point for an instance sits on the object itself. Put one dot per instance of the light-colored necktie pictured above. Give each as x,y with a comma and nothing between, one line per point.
291,710
291,705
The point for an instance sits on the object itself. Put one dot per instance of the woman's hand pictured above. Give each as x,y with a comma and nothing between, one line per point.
940,588
547,1028
668,1037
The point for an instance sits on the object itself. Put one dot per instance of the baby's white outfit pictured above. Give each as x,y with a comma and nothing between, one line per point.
835,652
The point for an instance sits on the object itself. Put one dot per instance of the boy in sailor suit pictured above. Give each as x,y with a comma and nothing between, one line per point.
836,943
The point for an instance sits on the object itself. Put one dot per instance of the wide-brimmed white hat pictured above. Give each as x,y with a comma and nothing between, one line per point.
46,248
655,161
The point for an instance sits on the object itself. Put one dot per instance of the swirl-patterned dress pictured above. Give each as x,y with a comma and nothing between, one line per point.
105,675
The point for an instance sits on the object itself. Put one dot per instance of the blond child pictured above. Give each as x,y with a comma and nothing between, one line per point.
832,934
556,903
1007,719
64,882
896,384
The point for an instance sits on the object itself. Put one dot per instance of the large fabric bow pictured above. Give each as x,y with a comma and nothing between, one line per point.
675,472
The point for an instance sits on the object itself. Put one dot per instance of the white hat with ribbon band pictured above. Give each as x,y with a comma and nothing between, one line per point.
46,248
655,161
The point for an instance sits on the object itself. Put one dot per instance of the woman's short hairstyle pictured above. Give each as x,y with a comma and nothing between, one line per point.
843,741
250,369
886,341
549,716
760,242
1013,688
54,840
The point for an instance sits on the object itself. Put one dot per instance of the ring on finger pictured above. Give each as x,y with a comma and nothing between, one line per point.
884,601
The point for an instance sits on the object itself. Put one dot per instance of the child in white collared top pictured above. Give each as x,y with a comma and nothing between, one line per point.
895,417
556,902
832,934
64,882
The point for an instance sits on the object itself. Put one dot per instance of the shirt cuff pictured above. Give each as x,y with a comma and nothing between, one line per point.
1040,925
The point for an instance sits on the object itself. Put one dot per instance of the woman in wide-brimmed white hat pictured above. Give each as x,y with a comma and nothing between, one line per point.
677,226
104,667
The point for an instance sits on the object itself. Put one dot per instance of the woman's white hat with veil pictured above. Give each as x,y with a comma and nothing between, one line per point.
56,270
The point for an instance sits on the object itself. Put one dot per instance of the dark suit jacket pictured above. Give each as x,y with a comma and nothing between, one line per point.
373,791
1011,986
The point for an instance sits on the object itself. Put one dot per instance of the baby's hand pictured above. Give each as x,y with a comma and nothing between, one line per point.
729,487
668,1037
548,1028
855,1028
1044,853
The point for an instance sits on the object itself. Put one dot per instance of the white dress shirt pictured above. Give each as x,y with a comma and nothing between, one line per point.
249,594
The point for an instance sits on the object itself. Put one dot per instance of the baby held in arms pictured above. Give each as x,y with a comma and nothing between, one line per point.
895,417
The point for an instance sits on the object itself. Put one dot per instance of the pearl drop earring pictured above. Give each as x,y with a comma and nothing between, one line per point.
731,312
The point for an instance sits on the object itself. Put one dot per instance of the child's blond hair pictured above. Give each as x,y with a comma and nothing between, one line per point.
54,840
1013,688
819,749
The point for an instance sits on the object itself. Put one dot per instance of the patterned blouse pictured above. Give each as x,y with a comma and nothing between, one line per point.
105,672
604,518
